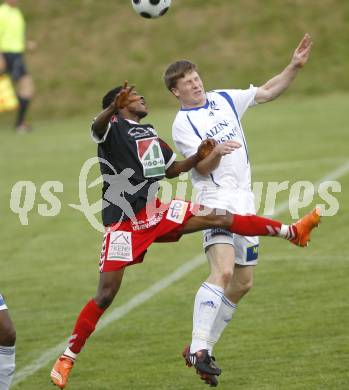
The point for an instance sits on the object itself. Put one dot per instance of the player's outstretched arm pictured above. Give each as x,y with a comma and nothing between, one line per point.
122,100
278,84
101,123
204,150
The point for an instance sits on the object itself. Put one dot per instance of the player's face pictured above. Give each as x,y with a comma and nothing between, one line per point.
138,107
190,90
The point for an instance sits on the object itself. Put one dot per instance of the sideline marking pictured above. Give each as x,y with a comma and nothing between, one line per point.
147,294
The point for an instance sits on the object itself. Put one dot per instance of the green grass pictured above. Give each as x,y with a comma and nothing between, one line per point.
291,331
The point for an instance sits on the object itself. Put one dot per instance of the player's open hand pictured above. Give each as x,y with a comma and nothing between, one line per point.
125,97
302,53
206,147
226,147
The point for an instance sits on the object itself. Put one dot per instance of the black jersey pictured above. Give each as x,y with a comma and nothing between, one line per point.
132,160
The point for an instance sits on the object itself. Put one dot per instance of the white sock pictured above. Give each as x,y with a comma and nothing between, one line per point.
225,314
287,231
69,354
7,366
207,303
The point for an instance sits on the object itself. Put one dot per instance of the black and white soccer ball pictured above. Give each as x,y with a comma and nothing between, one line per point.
151,8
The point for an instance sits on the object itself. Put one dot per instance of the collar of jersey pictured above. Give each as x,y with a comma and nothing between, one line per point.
131,121
196,108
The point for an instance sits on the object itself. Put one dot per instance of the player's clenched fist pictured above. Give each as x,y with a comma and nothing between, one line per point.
206,147
125,97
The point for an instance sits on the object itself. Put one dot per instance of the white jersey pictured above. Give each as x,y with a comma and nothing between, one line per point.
2,303
229,185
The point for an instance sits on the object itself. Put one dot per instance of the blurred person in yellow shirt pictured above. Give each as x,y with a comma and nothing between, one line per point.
12,48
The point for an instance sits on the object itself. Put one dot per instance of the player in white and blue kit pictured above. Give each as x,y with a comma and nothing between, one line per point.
228,186
7,347
222,181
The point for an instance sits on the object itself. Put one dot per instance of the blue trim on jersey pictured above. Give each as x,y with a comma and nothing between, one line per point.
196,131
196,108
229,99
194,128
245,145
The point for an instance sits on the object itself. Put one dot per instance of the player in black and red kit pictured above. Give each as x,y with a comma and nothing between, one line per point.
133,159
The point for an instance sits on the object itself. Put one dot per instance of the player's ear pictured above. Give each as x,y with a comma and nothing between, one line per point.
175,91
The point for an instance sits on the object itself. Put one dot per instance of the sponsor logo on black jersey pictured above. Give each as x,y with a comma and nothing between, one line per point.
141,132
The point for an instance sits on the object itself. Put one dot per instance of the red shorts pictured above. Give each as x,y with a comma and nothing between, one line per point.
126,243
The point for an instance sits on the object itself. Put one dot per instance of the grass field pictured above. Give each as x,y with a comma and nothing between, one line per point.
291,331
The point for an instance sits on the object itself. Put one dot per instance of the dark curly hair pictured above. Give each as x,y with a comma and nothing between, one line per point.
109,97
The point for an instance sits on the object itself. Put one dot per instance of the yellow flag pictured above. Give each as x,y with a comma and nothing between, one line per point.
8,98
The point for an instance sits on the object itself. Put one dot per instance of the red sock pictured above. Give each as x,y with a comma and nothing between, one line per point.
85,325
253,225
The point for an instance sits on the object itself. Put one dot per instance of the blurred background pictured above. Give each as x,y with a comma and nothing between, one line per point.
86,46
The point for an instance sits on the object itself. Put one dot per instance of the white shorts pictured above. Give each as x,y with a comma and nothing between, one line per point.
246,248
239,201
2,303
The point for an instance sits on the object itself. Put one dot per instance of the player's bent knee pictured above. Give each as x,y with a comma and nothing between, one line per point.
105,297
245,287
226,277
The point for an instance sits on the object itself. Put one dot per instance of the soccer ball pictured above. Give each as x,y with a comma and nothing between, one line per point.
151,8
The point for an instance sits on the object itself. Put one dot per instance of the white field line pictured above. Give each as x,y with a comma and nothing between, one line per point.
147,294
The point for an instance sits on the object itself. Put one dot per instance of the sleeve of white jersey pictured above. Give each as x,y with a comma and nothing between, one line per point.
243,99
184,137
